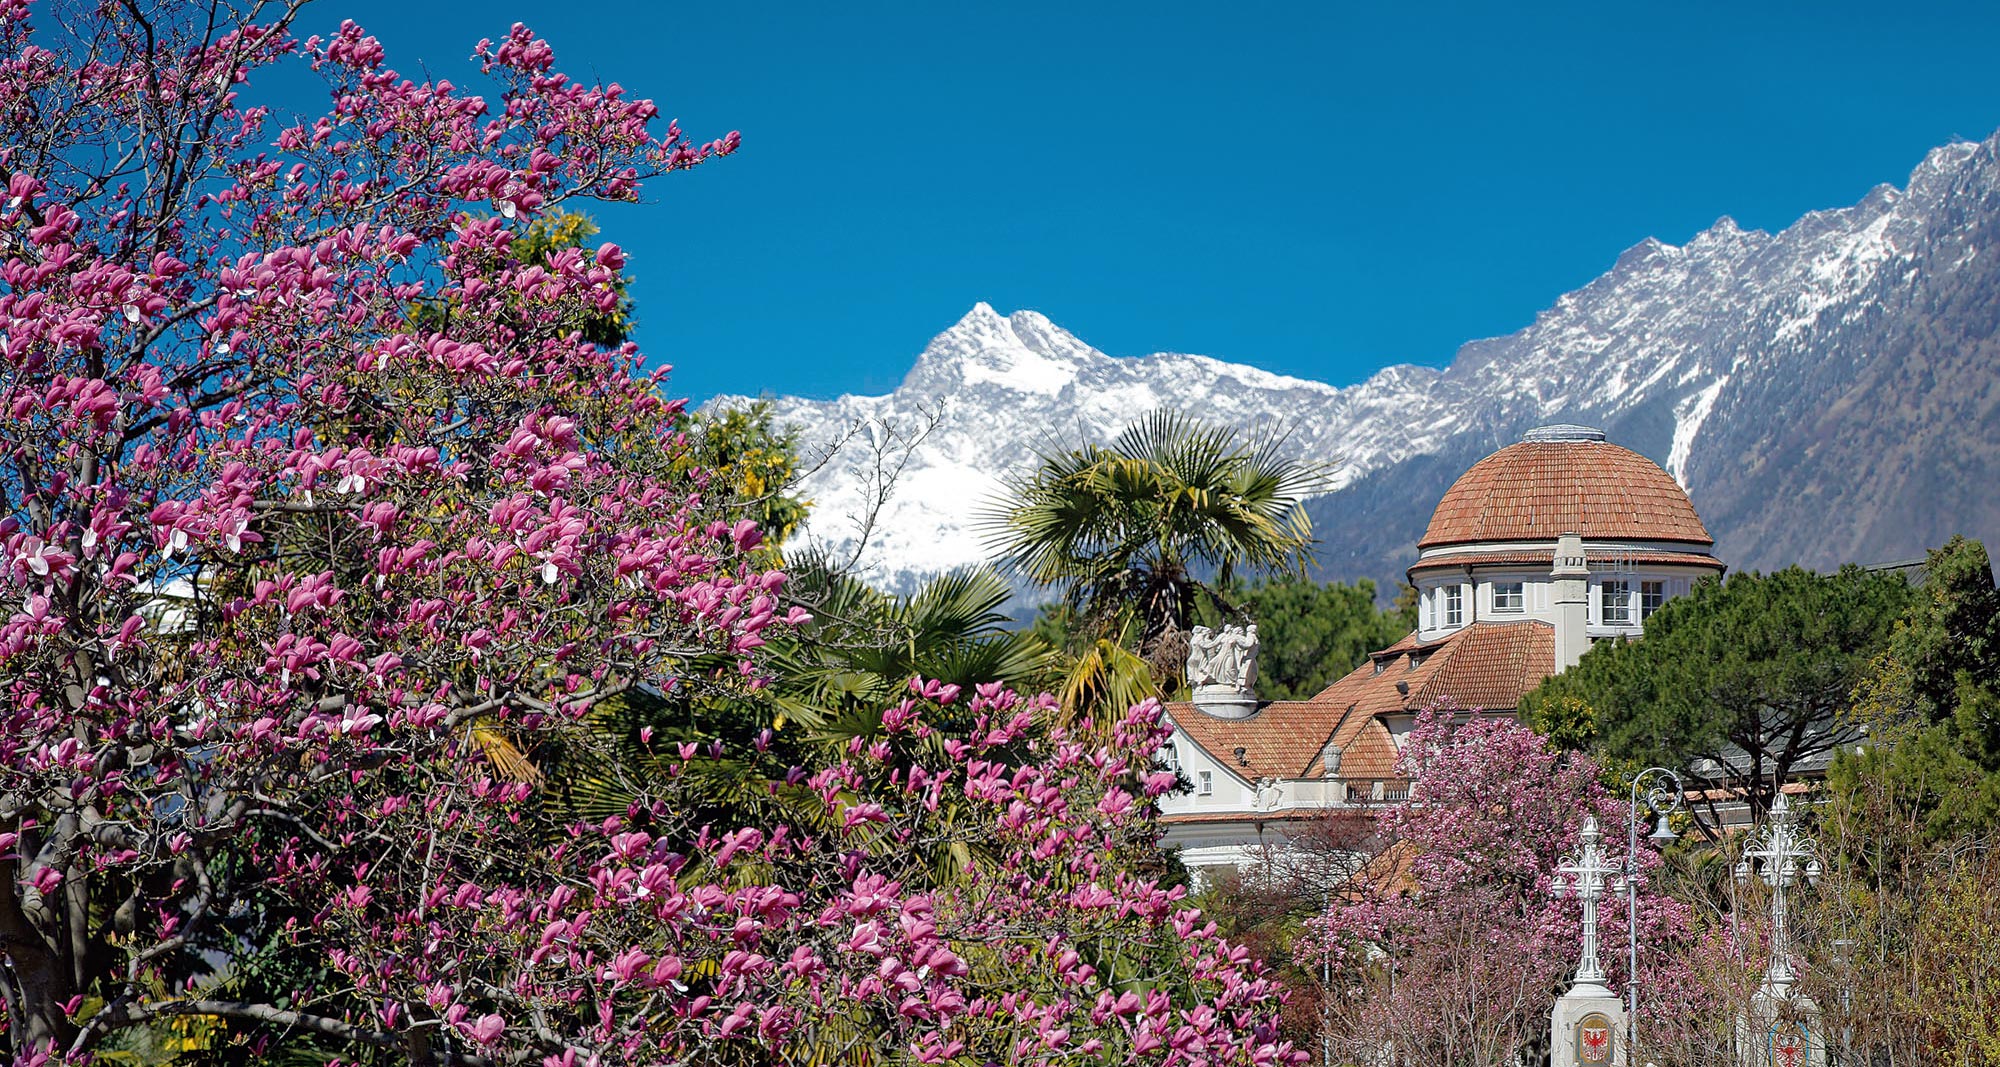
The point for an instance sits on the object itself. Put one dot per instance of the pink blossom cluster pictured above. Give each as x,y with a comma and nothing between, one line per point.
1460,906
667,940
322,518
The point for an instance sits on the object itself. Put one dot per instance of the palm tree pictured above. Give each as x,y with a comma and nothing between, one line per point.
864,646
1133,531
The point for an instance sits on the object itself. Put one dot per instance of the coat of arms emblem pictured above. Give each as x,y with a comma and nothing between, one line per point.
1593,1040
1790,1044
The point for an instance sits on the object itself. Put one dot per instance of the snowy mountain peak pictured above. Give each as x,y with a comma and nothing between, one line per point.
1946,157
1648,251
1020,353
1798,383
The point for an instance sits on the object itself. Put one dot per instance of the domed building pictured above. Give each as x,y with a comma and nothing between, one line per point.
1553,542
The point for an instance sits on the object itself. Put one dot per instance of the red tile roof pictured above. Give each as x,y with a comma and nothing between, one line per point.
1486,666
1540,490
1277,742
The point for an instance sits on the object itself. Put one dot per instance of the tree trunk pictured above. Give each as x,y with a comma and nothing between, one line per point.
37,984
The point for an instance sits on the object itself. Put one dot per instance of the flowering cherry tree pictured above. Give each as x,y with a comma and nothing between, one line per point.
316,499
1456,950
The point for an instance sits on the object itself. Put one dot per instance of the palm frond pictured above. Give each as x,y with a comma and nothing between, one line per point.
1138,524
1104,681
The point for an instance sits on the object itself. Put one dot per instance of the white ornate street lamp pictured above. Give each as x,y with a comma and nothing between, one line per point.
1778,854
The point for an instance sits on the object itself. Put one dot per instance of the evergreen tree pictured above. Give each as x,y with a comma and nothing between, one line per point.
1931,703
1910,821
1741,682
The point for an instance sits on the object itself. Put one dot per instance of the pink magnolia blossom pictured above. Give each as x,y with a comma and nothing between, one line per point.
1460,907
325,521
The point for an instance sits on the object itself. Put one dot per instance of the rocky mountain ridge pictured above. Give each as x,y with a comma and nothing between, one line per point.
1826,393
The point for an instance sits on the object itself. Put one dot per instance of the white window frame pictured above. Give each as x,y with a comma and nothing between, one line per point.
1204,783
1615,598
1652,597
1454,605
1519,591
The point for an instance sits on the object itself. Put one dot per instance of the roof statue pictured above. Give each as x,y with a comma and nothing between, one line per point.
1222,669
1201,657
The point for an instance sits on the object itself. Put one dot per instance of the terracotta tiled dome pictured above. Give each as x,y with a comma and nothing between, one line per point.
1562,480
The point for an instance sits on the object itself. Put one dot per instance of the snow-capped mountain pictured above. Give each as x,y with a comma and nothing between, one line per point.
981,400
1827,393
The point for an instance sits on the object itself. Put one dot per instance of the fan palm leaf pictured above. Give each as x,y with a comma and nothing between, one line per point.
1131,528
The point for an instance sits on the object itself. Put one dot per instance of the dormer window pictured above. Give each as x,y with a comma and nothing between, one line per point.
1454,605
1509,597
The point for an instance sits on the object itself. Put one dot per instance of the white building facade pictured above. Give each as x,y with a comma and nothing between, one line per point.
1540,549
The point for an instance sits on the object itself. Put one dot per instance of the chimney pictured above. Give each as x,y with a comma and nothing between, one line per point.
1570,584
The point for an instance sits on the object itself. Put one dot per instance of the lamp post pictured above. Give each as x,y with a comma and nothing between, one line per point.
1659,789
1777,855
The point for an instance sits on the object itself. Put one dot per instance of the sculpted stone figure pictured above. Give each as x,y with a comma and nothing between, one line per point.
1203,648
1222,670
1236,661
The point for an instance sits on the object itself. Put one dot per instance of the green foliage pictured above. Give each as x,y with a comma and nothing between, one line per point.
1311,633
1754,673
544,238
757,462
1567,720
1100,674
829,683
1103,677
1407,599
1125,529
1911,820
1942,667
1931,704
1921,780
863,648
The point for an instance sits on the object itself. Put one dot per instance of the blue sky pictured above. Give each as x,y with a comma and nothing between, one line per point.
1317,189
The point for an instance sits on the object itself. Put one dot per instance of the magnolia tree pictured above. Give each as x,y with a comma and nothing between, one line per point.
316,496
1453,948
